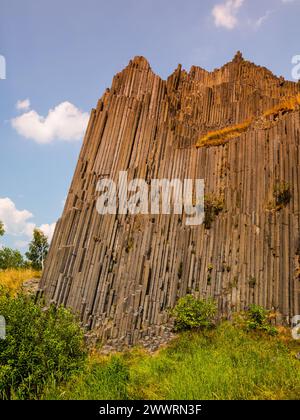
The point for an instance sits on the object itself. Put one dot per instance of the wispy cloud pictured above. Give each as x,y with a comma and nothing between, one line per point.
258,23
262,19
64,122
23,105
225,14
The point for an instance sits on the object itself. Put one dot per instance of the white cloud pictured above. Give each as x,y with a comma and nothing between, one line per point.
19,243
225,14
64,122
23,105
18,223
48,230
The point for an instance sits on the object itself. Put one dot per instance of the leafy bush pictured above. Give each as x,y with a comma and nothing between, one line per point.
191,313
256,318
40,345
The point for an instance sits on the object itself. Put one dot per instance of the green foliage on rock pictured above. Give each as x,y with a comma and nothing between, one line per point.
282,194
257,319
213,206
192,313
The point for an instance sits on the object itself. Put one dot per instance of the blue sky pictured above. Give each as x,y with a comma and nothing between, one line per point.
61,55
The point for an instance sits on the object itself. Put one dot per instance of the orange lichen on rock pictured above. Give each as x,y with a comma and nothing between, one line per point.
287,105
222,136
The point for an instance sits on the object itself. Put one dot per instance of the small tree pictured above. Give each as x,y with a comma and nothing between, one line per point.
11,258
38,249
2,231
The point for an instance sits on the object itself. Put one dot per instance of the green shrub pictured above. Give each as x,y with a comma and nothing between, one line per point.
191,313
282,194
252,282
40,345
213,206
257,319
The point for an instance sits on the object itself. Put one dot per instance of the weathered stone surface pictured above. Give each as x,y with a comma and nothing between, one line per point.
150,127
30,286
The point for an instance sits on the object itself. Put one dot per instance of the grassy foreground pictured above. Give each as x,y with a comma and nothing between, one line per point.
44,357
224,363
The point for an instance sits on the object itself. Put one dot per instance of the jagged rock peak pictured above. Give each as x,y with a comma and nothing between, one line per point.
238,58
140,62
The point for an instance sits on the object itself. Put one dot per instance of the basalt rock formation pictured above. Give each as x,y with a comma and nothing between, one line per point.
121,273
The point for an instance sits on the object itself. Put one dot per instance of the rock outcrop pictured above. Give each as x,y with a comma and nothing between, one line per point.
121,272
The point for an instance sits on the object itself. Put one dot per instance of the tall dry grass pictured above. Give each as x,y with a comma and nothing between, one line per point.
287,105
218,137
13,279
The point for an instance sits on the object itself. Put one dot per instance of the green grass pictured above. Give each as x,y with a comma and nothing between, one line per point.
224,363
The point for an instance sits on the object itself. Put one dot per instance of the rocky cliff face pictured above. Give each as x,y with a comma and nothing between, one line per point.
122,272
